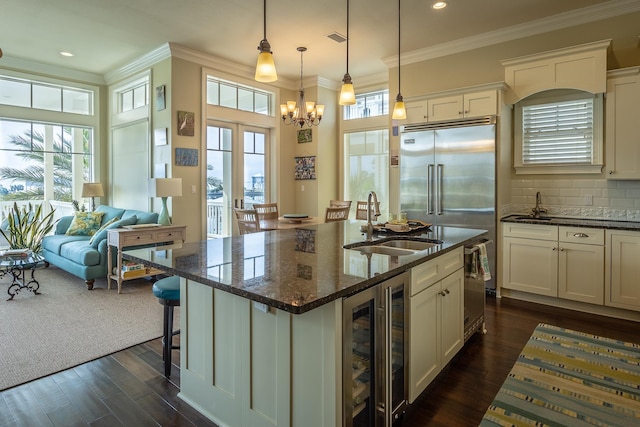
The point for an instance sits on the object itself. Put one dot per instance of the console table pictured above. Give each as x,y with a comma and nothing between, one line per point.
141,236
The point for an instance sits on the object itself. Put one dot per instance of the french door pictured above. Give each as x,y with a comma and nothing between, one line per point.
236,173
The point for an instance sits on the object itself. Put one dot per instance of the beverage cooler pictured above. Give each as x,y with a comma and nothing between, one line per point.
375,354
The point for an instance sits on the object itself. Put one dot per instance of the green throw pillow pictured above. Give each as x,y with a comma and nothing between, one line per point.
114,223
103,227
85,224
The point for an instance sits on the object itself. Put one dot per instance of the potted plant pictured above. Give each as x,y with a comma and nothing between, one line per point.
26,226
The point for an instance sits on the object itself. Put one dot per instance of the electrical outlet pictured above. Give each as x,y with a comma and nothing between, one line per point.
193,189
301,187
588,200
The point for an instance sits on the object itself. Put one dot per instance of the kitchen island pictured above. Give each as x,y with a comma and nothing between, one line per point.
261,317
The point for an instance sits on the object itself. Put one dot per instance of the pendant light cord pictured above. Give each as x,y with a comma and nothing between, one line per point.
348,36
398,46
264,15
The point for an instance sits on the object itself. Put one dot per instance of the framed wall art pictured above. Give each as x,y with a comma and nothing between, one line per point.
304,135
305,167
186,123
160,136
161,101
186,157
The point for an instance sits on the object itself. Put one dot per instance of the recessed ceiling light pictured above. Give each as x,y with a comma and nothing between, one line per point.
439,5
63,53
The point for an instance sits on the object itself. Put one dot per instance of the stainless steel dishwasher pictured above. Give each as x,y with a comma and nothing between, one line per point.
474,290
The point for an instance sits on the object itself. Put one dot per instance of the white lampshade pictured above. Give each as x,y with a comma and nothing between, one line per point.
165,187
92,189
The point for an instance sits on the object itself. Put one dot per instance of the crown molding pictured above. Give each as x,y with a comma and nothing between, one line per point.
55,71
142,63
586,15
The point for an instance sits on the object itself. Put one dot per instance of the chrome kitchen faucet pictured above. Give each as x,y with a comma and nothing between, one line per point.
538,209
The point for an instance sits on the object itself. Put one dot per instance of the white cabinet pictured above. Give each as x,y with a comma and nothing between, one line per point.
623,269
436,310
581,264
622,111
473,104
530,263
565,262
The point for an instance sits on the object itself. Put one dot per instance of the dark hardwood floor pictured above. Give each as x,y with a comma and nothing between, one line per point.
127,388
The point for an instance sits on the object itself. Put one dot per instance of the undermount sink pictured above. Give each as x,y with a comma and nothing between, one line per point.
414,245
394,247
531,217
384,250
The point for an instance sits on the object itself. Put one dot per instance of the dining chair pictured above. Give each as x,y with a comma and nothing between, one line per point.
339,203
266,210
361,209
248,221
339,213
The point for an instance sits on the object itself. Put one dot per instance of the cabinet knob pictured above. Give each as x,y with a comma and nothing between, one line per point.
460,112
582,235
561,249
553,249
610,172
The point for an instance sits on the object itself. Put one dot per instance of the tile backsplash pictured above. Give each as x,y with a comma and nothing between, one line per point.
580,198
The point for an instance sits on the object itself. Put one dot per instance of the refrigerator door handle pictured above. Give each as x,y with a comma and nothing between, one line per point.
388,365
439,169
430,189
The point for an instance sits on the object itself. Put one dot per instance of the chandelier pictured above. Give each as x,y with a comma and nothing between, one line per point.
301,112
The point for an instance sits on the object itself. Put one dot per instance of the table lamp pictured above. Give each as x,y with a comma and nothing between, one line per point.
164,188
93,190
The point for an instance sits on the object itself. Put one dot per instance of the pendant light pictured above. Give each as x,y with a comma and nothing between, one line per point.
265,68
347,94
399,111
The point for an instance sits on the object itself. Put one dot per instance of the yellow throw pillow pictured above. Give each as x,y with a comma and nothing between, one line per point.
85,223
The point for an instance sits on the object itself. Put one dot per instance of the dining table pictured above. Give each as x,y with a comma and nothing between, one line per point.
284,222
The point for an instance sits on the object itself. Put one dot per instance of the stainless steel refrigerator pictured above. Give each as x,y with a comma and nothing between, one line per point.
447,176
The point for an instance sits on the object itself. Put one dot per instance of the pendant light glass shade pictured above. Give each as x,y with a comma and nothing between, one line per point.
347,94
265,67
399,110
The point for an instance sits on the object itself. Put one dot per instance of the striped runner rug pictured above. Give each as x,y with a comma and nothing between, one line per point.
568,378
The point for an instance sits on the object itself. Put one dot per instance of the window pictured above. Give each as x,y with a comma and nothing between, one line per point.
47,137
233,95
368,167
134,97
40,161
559,132
370,104
26,93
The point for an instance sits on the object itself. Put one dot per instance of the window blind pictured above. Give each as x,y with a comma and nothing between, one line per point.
558,132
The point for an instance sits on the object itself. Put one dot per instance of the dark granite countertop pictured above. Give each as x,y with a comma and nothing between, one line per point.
295,270
574,222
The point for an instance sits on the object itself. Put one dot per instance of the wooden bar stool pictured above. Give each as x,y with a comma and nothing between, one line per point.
167,291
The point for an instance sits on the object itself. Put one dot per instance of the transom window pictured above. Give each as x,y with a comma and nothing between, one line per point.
233,95
25,93
370,104
559,131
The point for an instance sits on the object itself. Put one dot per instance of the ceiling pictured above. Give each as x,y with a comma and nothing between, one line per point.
106,35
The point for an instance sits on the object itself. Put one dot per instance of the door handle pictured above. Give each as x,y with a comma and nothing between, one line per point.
439,170
430,189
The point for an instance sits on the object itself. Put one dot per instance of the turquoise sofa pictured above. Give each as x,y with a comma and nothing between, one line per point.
86,256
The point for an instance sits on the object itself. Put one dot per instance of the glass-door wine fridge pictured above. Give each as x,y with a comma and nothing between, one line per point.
374,356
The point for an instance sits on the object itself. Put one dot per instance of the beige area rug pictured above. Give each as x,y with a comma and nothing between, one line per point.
68,325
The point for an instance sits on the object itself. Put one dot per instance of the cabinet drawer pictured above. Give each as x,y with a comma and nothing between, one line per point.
430,272
138,239
169,235
530,231
591,236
